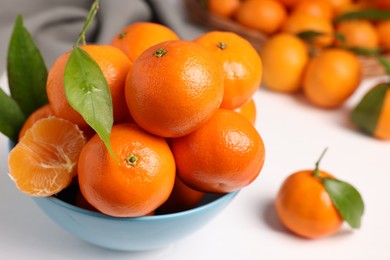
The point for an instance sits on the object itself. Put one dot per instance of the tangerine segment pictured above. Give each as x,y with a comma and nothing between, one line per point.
174,87
44,161
141,181
223,155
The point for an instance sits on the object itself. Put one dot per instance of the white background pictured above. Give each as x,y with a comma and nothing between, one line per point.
294,133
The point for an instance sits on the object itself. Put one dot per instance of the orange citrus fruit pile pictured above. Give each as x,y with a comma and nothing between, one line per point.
183,125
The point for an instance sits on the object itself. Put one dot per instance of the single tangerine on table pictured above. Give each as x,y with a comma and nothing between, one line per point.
266,16
358,33
305,207
42,112
174,88
44,161
332,77
140,182
241,65
137,37
114,65
248,110
300,22
225,154
284,57
224,8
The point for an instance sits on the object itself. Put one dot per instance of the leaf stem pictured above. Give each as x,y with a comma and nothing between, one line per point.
316,172
88,22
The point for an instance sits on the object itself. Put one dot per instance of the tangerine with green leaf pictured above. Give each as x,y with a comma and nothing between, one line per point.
372,113
313,204
114,65
358,34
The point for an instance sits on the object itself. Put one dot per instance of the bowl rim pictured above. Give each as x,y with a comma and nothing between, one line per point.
162,217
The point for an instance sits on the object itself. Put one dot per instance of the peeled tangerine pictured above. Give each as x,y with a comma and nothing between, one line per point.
372,114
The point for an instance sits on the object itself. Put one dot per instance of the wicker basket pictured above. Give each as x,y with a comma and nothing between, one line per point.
198,14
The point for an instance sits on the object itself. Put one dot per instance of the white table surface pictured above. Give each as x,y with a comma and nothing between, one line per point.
295,133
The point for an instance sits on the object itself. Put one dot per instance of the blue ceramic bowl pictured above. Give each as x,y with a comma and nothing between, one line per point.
133,234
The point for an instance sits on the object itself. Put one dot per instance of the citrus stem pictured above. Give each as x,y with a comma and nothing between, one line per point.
222,45
316,172
131,160
88,22
160,52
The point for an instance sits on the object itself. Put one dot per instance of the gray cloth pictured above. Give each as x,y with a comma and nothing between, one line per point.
55,24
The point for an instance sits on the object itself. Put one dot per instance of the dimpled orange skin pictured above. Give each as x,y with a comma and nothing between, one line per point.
241,64
137,37
382,130
223,155
305,208
174,94
42,112
125,190
358,33
332,77
114,65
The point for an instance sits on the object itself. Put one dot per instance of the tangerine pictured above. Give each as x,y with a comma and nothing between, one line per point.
266,16
300,22
358,34
284,54
114,65
383,31
225,154
240,62
137,37
42,112
331,92
224,8
248,110
174,88
318,8
141,181
305,207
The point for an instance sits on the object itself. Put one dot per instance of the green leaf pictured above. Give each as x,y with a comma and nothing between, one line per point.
368,14
88,93
11,117
27,73
309,35
346,199
340,37
385,64
365,51
366,113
